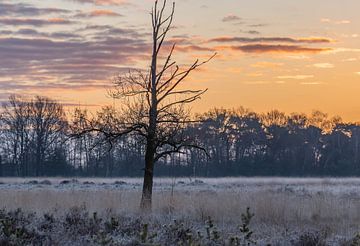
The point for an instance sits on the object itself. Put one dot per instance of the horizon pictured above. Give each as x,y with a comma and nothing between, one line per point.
270,56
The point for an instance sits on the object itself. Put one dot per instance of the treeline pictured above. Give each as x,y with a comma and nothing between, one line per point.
37,140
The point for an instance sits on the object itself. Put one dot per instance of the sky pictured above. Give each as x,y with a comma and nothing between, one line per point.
295,56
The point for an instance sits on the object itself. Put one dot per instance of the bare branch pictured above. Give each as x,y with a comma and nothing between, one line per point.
184,101
162,36
183,75
166,65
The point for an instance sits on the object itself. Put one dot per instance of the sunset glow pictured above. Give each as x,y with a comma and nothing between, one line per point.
295,56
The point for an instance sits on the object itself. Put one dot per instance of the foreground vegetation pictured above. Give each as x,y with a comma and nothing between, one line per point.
79,227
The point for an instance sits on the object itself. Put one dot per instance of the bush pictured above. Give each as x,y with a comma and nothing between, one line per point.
311,239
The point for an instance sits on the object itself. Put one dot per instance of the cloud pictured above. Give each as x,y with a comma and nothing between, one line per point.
253,32
231,18
267,65
311,40
311,83
324,65
79,57
352,59
11,85
298,57
254,74
102,31
256,82
99,13
103,12
45,63
338,22
342,49
261,44
297,77
103,2
22,9
34,22
265,48
325,20
343,22
354,35
258,25
29,32
190,48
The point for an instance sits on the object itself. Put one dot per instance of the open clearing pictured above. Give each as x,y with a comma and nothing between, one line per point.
285,208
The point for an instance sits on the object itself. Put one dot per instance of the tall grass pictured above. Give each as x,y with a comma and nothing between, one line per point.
333,204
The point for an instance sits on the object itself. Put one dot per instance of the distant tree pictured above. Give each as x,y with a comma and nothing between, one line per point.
240,142
32,129
48,122
80,148
215,129
15,119
355,142
249,135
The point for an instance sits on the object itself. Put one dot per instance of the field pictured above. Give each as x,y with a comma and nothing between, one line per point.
288,211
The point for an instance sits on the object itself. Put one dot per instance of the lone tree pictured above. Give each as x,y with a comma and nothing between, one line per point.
154,104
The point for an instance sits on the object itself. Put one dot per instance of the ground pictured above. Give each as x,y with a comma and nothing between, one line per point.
206,211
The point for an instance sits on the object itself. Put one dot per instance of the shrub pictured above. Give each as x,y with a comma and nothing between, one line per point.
311,239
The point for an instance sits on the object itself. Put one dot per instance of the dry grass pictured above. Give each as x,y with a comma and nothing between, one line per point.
280,205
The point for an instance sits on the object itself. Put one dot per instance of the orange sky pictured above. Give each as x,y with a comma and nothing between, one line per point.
272,54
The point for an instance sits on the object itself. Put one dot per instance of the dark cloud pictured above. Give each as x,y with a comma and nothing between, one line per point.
253,32
6,32
271,39
69,104
85,58
34,22
63,35
98,13
283,44
190,48
231,18
257,25
77,57
29,32
265,48
45,63
16,86
103,2
101,31
22,9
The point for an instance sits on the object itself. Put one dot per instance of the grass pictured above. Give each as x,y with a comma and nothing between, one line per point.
285,210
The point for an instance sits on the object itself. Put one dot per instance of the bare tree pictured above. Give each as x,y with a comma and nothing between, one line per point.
154,106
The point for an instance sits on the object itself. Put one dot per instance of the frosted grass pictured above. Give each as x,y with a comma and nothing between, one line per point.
279,204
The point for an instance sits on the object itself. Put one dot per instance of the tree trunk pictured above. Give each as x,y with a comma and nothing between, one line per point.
146,199
1,169
38,162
